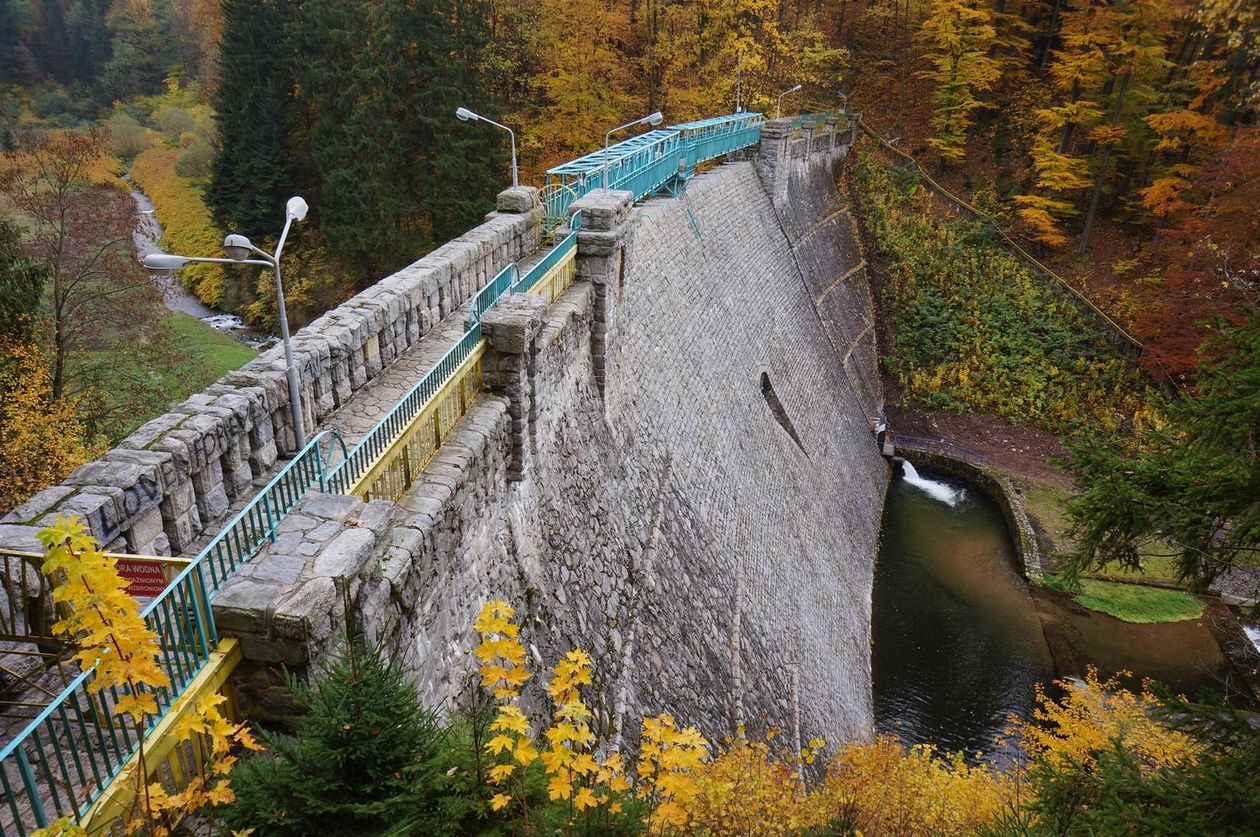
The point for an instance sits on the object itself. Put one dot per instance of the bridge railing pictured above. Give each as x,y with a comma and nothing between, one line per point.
64,758
648,162
389,457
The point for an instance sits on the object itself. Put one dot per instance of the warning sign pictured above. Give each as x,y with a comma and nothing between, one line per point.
145,579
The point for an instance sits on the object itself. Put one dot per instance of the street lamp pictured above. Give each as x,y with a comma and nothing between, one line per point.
464,115
650,119
778,107
239,249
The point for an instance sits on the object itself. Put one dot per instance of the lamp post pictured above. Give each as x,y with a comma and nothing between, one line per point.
650,119
778,107
465,115
239,249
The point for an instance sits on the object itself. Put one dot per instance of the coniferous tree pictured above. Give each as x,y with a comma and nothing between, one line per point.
365,757
251,175
380,82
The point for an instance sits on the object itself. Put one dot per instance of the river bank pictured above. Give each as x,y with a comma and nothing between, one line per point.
147,238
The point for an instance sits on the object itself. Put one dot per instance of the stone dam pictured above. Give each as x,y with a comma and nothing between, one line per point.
671,465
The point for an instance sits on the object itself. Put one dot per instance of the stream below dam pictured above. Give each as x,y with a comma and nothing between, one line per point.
147,238
960,639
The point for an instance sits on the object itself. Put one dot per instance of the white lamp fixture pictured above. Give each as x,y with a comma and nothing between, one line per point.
239,249
778,107
465,115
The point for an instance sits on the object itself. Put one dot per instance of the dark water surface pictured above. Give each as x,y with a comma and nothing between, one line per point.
958,643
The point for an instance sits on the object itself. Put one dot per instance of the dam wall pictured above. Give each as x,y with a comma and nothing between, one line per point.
671,466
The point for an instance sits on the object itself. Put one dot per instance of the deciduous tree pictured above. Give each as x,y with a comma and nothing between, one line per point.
957,37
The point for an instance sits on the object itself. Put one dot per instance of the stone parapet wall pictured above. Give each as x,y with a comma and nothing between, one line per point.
800,169
176,476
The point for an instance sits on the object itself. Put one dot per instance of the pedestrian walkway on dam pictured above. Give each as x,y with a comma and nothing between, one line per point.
354,419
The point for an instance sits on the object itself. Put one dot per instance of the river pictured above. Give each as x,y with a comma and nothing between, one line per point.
176,297
958,643
961,640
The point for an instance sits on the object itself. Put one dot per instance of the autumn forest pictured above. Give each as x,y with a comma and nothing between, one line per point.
1030,179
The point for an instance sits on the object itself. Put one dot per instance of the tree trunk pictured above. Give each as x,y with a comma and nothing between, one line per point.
1050,32
1102,169
1065,138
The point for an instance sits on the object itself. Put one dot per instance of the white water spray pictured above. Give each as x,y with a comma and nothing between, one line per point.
935,490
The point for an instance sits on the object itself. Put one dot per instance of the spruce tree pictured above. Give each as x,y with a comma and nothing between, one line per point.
366,757
251,176
380,82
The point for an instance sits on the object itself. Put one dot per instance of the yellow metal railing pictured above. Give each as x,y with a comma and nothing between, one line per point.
166,759
393,472
557,278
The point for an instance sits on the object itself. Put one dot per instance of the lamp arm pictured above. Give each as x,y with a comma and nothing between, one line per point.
284,234
209,260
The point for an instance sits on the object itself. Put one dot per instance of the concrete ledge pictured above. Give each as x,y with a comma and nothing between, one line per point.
1004,493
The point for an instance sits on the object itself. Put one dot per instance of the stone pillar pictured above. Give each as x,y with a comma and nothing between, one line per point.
601,260
509,329
772,158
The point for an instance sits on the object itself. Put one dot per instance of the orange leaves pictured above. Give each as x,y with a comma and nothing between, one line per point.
43,439
1041,216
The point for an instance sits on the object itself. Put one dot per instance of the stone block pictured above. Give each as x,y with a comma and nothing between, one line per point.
330,506
100,511
511,324
278,568
21,538
298,616
145,527
517,199
39,505
345,555
603,209
241,606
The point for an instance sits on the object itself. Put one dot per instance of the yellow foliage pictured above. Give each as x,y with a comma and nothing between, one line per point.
105,624
747,789
890,789
1092,715
186,222
41,438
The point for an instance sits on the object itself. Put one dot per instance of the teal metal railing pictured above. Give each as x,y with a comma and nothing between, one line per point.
378,440
651,161
67,755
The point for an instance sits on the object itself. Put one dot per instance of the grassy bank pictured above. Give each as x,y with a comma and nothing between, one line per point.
1138,603
219,351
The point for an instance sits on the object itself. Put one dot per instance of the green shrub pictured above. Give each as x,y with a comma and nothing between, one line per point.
977,330
194,160
127,136
366,757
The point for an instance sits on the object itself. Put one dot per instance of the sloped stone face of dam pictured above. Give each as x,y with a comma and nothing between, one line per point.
670,466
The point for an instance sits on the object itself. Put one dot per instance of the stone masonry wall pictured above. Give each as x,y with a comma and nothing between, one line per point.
175,477
672,469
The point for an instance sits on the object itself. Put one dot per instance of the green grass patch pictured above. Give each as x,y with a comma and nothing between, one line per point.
219,351
132,381
1131,602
